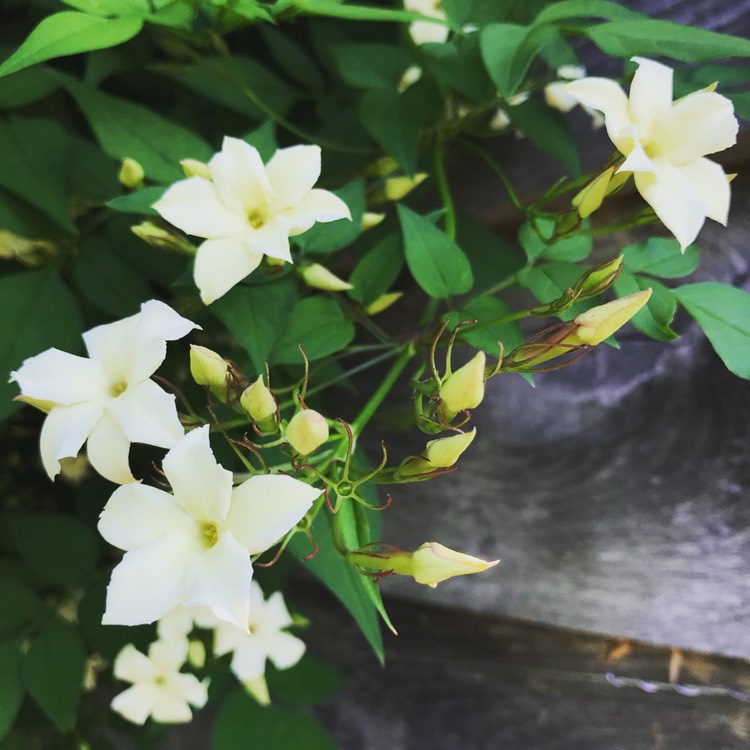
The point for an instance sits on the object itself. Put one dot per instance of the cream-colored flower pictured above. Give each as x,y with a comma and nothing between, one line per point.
109,397
159,690
248,210
193,547
665,144
423,32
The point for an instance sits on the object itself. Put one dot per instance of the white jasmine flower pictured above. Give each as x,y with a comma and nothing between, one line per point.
248,210
423,32
159,689
266,638
665,143
107,398
193,547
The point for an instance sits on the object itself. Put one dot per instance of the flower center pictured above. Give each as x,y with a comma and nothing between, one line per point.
117,389
256,218
210,534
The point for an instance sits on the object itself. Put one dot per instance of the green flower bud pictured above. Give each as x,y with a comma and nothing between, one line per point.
307,431
319,277
258,402
464,389
131,173
207,367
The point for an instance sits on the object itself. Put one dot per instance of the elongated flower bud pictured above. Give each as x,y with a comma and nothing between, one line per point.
307,431
598,279
591,197
464,389
601,322
319,277
383,302
441,453
259,403
195,168
370,220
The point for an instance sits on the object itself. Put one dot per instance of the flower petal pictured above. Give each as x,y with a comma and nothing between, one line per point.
637,160
607,97
221,264
108,450
170,708
317,205
176,624
147,414
271,239
675,200
168,656
249,660
650,93
292,173
275,612
64,432
189,688
710,181
136,515
149,581
700,124
220,579
200,485
283,649
240,177
131,349
137,702
61,378
265,507
196,206
133,666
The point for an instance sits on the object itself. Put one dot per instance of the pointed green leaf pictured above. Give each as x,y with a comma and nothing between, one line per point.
437,263
11,687
655,318
723,312
659,256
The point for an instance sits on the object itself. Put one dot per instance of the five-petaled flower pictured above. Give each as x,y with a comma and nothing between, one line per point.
248,210
193,547
665,143
159,689
108,397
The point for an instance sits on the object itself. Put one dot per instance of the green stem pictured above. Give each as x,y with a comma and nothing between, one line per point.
504,284
388,382
333,9
444,188
498,321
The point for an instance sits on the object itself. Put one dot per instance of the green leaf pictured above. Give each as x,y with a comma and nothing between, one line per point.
20,607
107,281
548,282
370,66
318,325
667,39
569,9
437,263
723,312
309,681
571,249
242,724
395,120
53,672
375,273
292,58
138,8
484,309
237,83
69,33
458,64
127,129
26,87
38,312
346,583
257,316
57,548
11,687
509,49
35,166
263,138
655,318
138,202
331,236
549,131
659,256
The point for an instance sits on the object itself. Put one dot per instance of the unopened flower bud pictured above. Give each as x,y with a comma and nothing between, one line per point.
260,405
433,563
397,188
274,262
195,168
131,173
381,167
164,239
30,252
602,321
383,302
74,469
196,654
409,77
319,277
370,220
207,367
464,389
598,279
500,120
591,197
441,453
307,431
